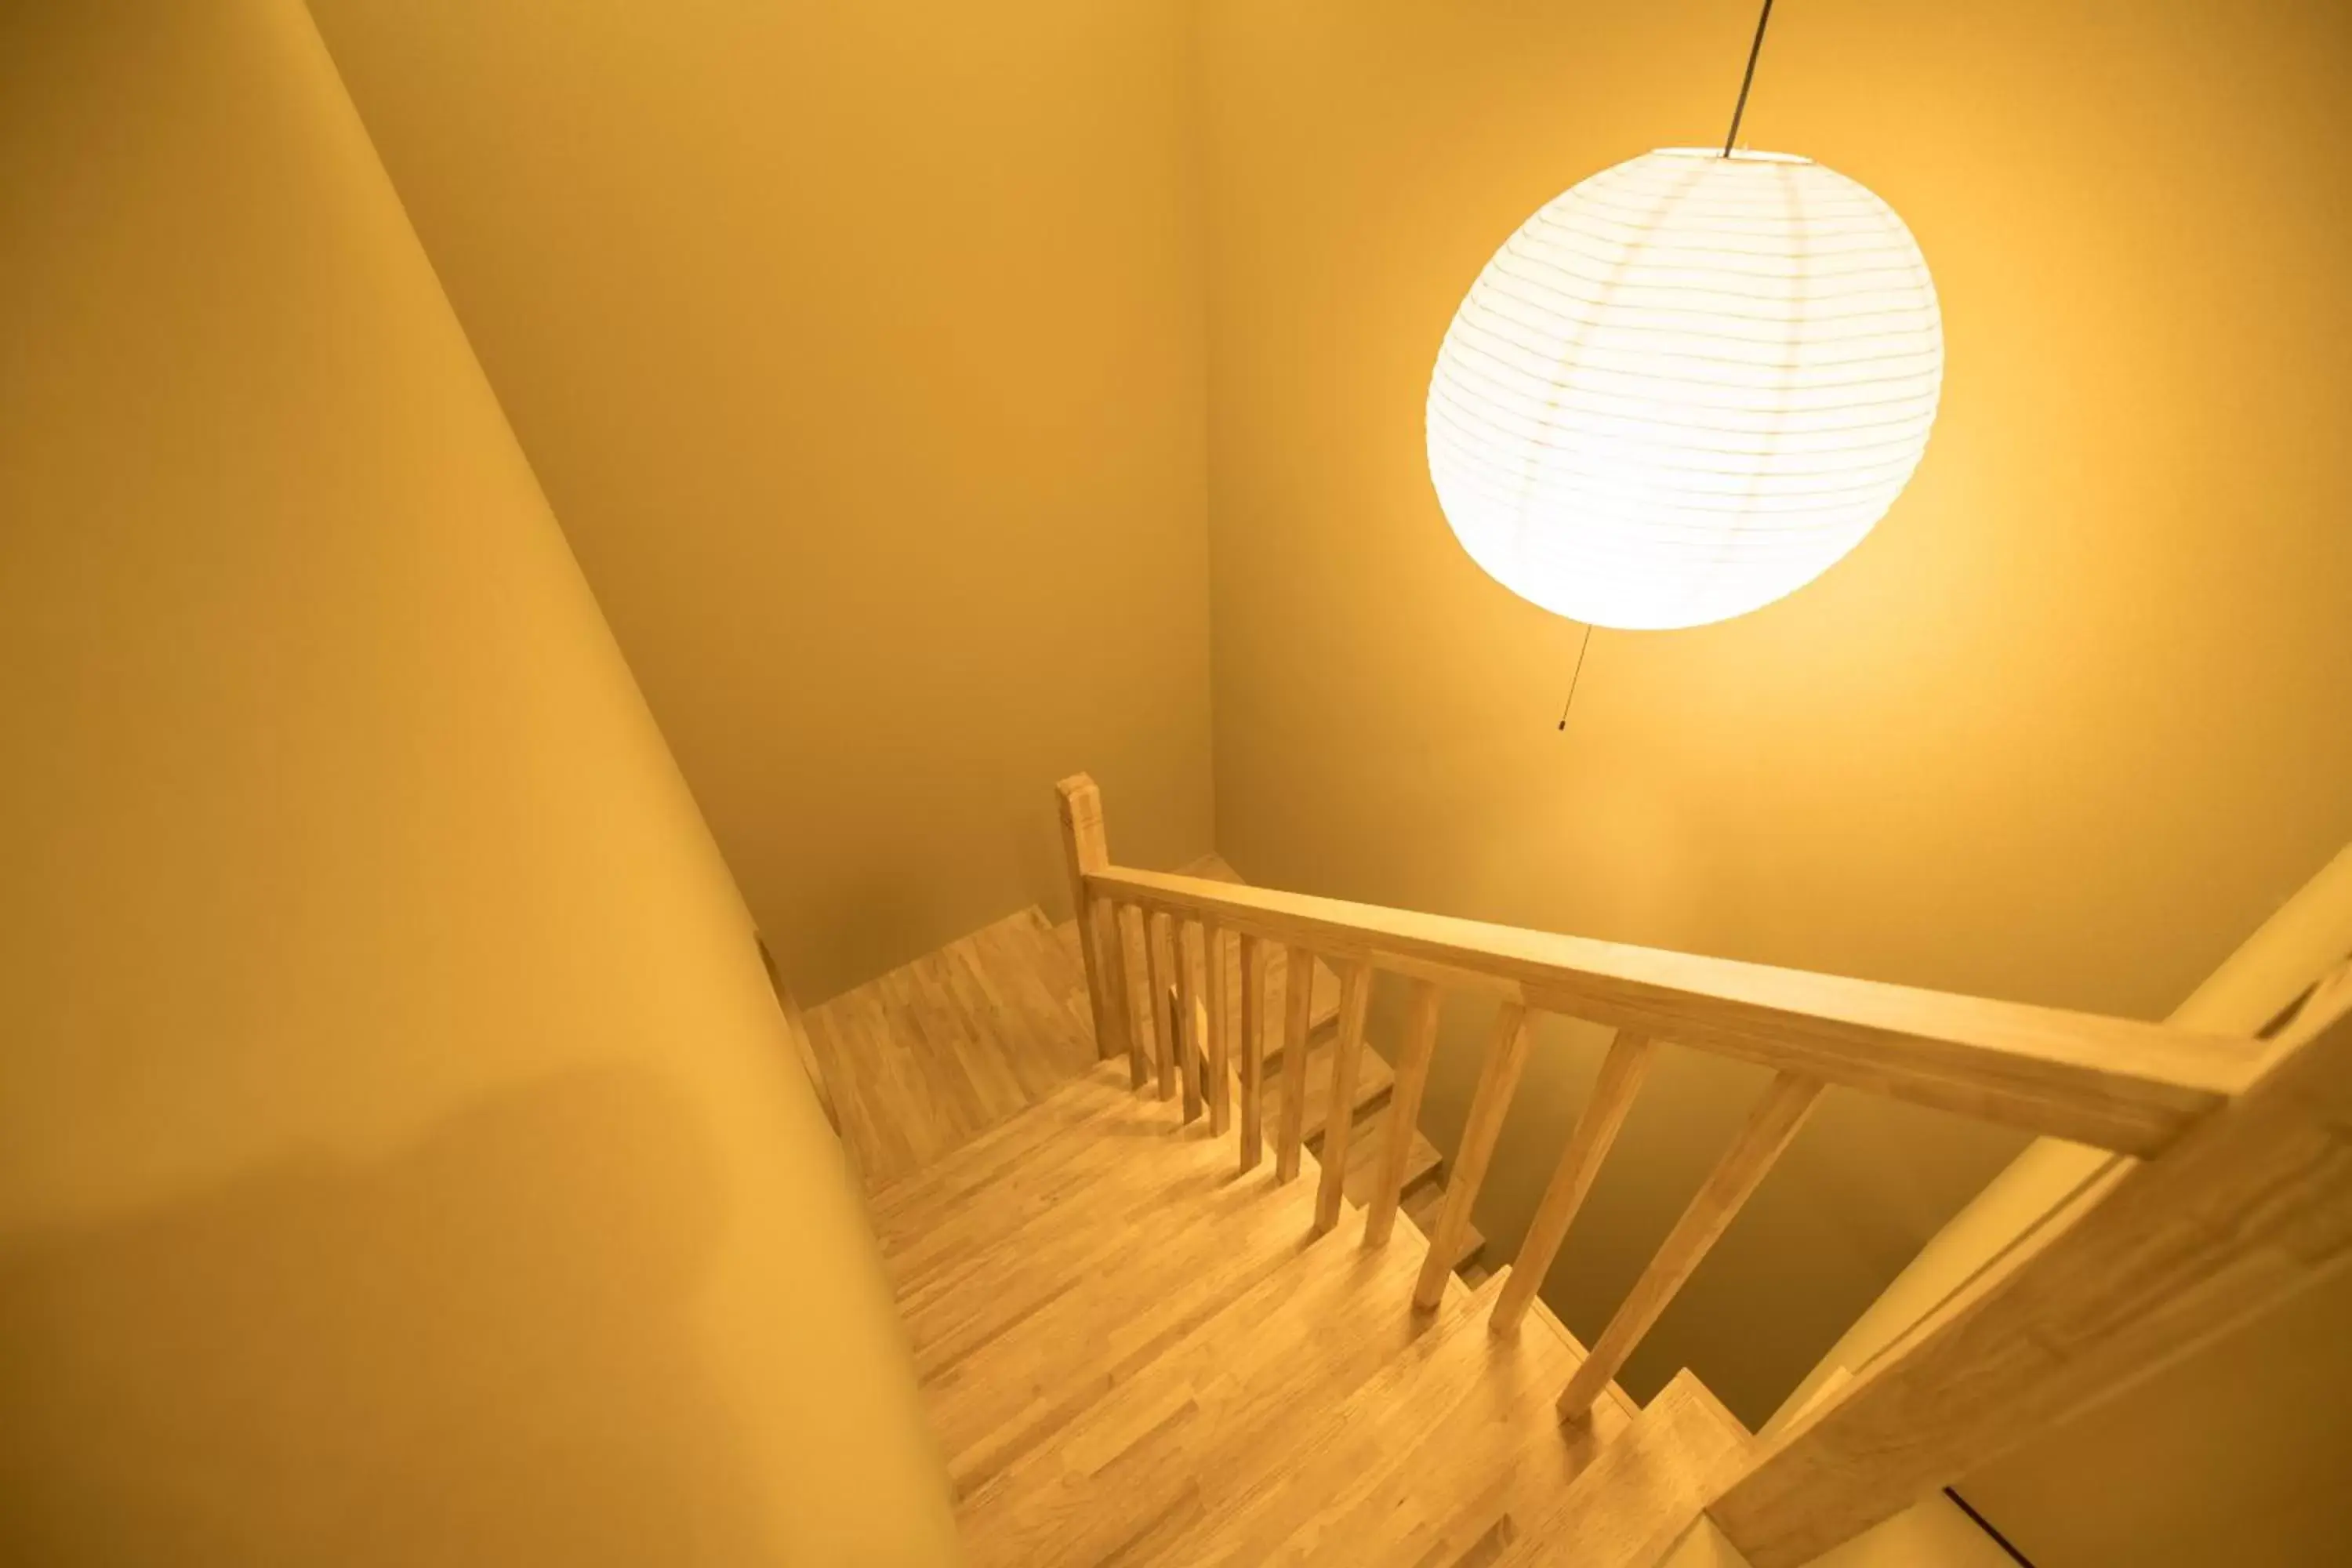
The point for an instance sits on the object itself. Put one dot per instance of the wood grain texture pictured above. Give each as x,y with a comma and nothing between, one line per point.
1129,942
1161,944
1498,1077
1216,955
1370,1150
1086,847
1623,1068
927,1056
1232,1394
1772,1124
1373,1082
1252,1044
1131,1353
1444,1454
1347,1055
2119,1084
1634,1501
1189,1013
1299,1003
1413,1053
1424,1208
2150,1260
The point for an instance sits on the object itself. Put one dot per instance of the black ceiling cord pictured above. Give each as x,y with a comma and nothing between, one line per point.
1739,109
1748,80
1731,139
1575,675
1981,1521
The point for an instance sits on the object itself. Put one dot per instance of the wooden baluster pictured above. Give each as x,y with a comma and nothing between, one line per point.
1085,848
1159,942
1771,1125
1253,1043
1131,948
2146,1261
1622,1072
1188,1013
1507,1053
1404,1109
1111,944
1297,1011
1339,1120
1221,1029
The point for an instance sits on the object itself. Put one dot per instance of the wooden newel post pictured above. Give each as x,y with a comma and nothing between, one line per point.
1085,847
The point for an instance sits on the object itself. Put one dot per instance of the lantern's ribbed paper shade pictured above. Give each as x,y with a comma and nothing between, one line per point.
1685,388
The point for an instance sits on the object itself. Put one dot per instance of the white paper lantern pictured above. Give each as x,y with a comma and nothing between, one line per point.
1685,388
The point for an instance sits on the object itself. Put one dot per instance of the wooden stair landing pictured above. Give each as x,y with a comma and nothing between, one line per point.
927,1056
1131,1353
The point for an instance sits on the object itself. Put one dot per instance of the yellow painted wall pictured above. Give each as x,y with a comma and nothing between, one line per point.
2064,729
859,348
402,1160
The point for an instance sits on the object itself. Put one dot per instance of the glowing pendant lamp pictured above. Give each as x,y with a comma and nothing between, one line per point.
1685,387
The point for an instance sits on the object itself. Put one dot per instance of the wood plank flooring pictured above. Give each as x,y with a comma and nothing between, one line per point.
921,1061
1133,1355
925,1057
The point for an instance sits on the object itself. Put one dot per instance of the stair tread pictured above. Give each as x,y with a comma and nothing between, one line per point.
1207,1416
1631,1501
1369,1145
1374,1081
1452,1445
1129,1350
963,1225
928,1055
1045,1368
1423,1208
904,1207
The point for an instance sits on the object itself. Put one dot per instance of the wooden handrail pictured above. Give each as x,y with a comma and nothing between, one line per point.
2122,1085
2148,1261
2235,1191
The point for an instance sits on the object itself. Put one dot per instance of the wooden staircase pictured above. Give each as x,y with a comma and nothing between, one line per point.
1133,1353
1141,1340
921,1061
1117,1330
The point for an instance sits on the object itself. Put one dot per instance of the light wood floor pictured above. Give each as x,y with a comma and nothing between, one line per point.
1133,1355
923,1060
925,1057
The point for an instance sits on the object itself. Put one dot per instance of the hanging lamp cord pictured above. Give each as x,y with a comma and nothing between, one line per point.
1730,139
1576,674
1748,80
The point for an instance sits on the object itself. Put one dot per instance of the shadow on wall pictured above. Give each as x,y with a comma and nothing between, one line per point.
475,1351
